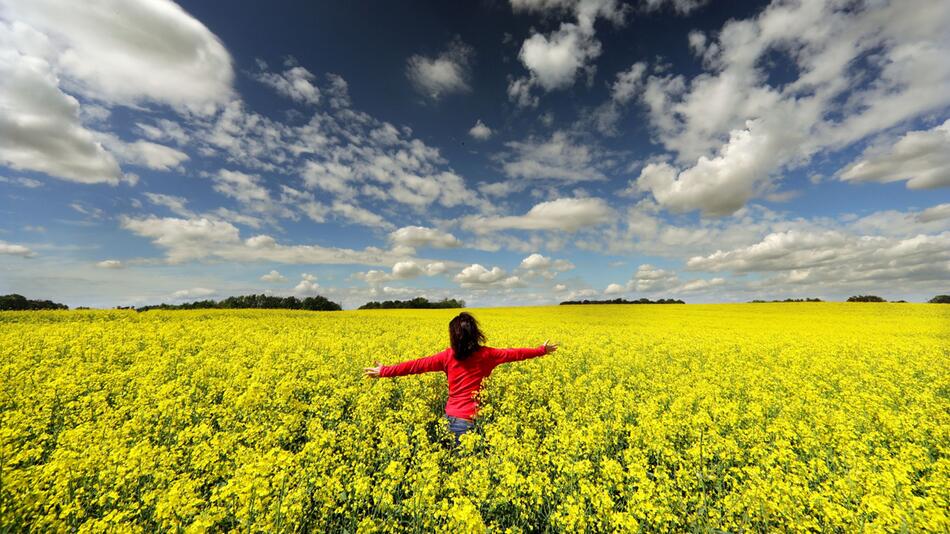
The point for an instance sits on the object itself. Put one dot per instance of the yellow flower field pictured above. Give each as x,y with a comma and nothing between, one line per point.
740,418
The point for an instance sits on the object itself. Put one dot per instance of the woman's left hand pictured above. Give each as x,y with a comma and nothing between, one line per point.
373,372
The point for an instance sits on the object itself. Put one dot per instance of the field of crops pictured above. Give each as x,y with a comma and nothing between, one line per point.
752,417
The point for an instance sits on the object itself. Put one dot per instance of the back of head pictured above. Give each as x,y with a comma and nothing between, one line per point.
465,335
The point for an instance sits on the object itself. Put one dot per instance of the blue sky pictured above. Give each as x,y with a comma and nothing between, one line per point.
506,153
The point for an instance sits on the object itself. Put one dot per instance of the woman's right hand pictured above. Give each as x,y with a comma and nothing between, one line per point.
373,372
549,347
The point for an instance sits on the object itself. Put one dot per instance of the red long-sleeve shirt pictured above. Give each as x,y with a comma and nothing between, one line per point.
465,377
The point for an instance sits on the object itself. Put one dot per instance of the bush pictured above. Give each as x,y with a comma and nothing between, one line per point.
940,299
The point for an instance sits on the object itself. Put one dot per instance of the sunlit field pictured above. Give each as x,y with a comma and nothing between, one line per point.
750,417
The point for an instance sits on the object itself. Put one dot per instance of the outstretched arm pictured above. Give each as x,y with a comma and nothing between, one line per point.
514,355
436,362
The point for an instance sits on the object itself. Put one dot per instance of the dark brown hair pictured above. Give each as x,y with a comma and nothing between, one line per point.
465,336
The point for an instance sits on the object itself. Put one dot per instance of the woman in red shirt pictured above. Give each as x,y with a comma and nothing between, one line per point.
466,362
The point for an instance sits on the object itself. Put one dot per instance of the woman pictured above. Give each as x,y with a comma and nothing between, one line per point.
466,362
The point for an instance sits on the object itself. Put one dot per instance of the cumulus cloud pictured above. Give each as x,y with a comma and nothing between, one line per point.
837,259
194,292
476,276
939,212
273,277
920,157
131,51
144,153
108,51
722,184
420,236
614,289
175,204
447,73
480,131
567,214
249,190
554,60
358,215
733,129
559,157
680,6
13,249
343,151
29,183
40,123
537,265
402,270
110,264
296,82
650,278
203,238
307,286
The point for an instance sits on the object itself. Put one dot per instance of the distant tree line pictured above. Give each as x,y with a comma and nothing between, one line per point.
625,301
786,300
866,298
14,302
416,303
940,299
317,303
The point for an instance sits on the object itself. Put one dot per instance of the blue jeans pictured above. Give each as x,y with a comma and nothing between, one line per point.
459,426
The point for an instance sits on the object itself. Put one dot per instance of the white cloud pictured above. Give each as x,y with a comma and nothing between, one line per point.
447,73
195,292
614,289
723,184
340,150
480,131
555,60
164,130
681,6
358,215
295,83
40,123
920,157
699,284
939,212
837,259
567,214
402,270
628,83
558,158
478,277
544,265
734,129
203,238
110,264
420,236
29,183
13,249
249,191
131,51
650,278
144,153
307,286
519,92
273,277
175,204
